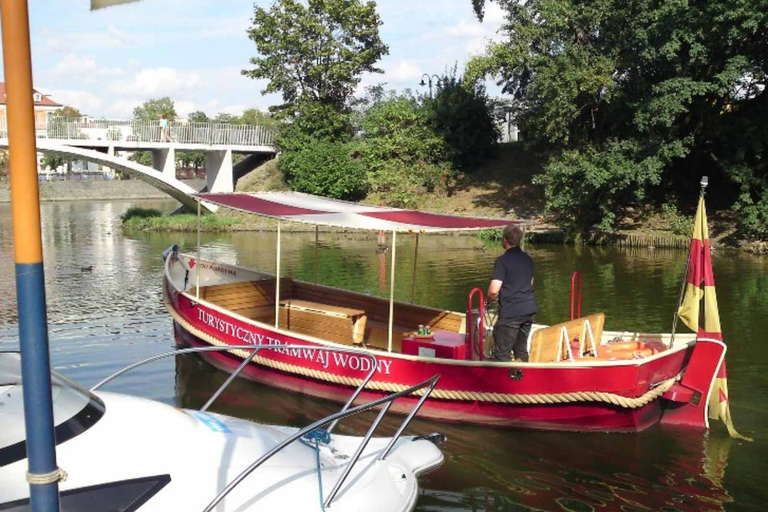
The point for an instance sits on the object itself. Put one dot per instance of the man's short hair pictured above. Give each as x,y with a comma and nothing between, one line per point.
513,235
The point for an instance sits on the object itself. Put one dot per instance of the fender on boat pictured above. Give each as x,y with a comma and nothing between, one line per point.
687,401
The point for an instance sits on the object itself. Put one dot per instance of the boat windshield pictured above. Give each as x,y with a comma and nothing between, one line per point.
74,409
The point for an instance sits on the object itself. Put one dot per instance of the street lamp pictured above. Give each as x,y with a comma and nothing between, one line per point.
429,81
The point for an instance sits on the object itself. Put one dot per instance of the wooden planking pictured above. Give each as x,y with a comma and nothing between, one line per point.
325,327
321,308
377,309
246,294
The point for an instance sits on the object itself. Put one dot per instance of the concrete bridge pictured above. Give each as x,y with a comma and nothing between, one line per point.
218,141
162,181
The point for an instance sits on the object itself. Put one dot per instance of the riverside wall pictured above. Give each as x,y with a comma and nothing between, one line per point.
95,190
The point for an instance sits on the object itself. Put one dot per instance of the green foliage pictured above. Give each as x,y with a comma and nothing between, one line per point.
402,152
256,117
315,50
678,223
619,95
460,113
587,187
136,212
490,235
182,223
224,118
323,167
53,161
753,201
154,109
198,116
68,111
142,157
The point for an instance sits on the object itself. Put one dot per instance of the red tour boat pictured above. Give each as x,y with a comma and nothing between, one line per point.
579,377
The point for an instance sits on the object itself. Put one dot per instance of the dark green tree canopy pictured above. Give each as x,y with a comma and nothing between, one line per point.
315,50
624,95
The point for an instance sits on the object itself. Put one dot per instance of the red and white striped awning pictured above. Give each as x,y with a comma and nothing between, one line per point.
298,207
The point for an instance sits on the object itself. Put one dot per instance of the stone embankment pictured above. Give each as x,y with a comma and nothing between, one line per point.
95,190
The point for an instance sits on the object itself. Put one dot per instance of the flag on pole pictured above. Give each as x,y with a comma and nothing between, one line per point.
699,312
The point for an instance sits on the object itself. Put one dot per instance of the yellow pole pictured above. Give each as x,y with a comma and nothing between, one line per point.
43,473
25,202
277,282
392,291
197,268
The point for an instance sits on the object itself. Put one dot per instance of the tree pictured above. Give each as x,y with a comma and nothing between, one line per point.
255,117
224,118
198,117
68,111
624,96
53,161
461,114
154,109
315,51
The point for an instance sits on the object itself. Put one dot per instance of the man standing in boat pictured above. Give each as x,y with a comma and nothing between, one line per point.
512,283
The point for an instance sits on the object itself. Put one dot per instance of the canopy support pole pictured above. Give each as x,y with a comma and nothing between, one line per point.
277,281
413,273
392,291
317,243
197,271
28,258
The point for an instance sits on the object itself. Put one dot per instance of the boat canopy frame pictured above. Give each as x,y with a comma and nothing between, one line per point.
309,209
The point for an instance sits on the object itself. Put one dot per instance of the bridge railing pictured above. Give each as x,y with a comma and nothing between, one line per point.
211,134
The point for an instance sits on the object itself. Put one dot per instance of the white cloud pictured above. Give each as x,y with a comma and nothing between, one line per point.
401,71
82,68
158,82
85,101
466,29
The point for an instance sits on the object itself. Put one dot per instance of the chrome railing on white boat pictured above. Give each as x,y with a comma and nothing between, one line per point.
386,402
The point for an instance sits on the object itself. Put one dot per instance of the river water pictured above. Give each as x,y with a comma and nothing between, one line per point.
105,312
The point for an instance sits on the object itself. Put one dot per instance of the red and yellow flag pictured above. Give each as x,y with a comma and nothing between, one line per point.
699,312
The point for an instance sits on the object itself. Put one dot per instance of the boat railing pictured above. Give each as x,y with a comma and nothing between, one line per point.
424,389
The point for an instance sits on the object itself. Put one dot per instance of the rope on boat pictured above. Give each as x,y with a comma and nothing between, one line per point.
57,475
508,398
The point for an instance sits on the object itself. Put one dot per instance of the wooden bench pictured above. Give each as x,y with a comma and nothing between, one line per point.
553,344
332,323
251,299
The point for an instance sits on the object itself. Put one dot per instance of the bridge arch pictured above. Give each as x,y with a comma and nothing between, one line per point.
175,188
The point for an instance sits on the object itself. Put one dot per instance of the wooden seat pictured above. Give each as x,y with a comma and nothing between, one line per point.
553,344
251,299
377,335
324,321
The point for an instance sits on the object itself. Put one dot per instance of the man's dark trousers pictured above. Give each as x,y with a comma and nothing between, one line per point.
511,336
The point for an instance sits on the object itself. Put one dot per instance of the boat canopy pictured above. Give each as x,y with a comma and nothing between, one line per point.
309,209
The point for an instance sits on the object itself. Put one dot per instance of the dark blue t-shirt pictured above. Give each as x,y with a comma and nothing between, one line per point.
514,269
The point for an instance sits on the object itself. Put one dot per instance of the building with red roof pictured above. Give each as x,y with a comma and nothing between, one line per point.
44,107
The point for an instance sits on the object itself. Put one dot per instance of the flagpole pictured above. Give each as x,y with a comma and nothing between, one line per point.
43,473
676,316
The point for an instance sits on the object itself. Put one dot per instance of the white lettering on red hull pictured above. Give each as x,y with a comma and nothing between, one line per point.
337,359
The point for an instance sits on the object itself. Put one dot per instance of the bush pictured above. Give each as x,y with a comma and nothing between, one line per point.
461,115
676,222
402,153
590,187
140,213
324,168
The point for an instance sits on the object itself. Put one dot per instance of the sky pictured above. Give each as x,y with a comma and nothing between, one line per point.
107,62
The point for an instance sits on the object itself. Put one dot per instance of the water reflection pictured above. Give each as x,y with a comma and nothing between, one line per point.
112,315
